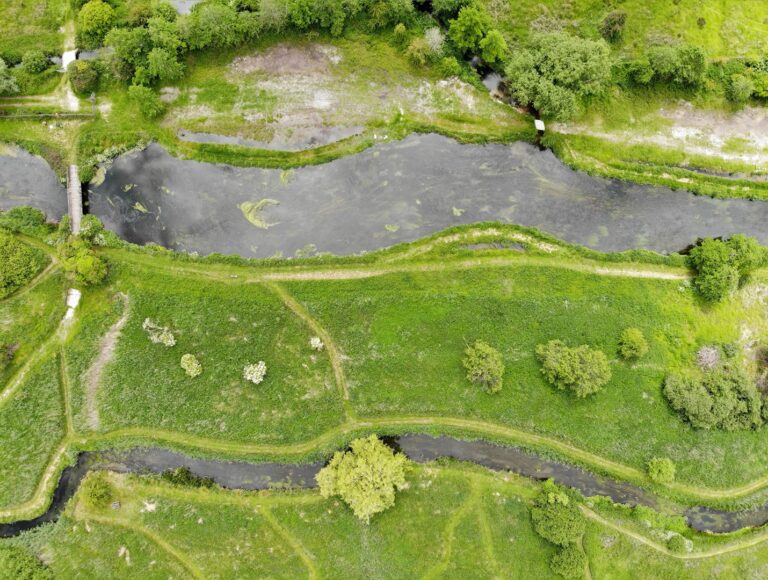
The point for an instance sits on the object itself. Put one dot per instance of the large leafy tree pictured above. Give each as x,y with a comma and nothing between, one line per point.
93,22
470,28
365,477
557,69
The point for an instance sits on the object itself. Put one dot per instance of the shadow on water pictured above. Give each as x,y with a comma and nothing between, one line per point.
399,192
419,448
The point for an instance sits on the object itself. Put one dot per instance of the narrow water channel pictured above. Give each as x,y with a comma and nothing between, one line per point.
419,448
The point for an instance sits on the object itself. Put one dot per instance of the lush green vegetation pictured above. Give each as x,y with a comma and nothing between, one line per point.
18,263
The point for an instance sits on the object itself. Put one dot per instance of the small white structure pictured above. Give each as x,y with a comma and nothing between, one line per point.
539,124
68,57
73,299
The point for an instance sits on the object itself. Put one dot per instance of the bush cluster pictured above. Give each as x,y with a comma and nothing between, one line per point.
580,370
83,76
725,398
79,259
720,265
557,518
632,344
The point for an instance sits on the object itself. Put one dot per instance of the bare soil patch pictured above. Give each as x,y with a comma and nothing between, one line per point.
285,59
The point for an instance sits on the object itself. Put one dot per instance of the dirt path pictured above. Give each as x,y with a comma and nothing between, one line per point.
94,374
330,346
292,541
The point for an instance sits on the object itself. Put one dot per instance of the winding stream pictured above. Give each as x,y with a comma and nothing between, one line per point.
419,448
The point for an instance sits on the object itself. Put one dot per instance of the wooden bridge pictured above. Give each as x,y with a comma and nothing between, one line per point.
74,198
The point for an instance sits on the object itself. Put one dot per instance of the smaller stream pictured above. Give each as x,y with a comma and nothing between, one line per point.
419,448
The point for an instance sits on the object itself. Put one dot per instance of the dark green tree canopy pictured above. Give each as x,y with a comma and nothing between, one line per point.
556,70
580,369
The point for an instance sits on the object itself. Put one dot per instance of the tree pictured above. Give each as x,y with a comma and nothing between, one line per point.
18,263
446,9
556,517
612,26
581,370
273,15
83,76
485,366
213,25
163,65
147,100
569,562
93,22
720,265
683,65
18,563
661,470
8,84
632,344
387,13
365,477
470,27
555,70
35,61
81,261
724,398
493,48
191,365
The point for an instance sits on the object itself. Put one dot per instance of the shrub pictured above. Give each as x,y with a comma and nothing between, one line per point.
485,366
316,344
555,70
677,544
158,334
708,357
83,76
739,89
450,67
191,365
434,40
632,344
556,517
8,84
97,491
612,26
683,65
35,61
721,265
387,13
569,562
81,261
183,476
661,470
18,263
255,373
147,101
470,27
93,22
18,563
581,370
418,52
91,229
366,477
400,34
722,399
273,15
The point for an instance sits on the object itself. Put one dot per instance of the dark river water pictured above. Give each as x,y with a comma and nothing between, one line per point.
394,192
29,180
397,192
419,448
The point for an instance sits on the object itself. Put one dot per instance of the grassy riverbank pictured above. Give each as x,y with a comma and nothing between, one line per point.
452,521
394,326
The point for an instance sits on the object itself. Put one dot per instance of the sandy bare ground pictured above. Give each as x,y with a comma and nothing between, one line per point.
739,136
95,372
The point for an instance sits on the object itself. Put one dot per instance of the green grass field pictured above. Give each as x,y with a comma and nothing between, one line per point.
730,28
31,24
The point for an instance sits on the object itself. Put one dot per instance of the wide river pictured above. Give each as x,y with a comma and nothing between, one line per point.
394,192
